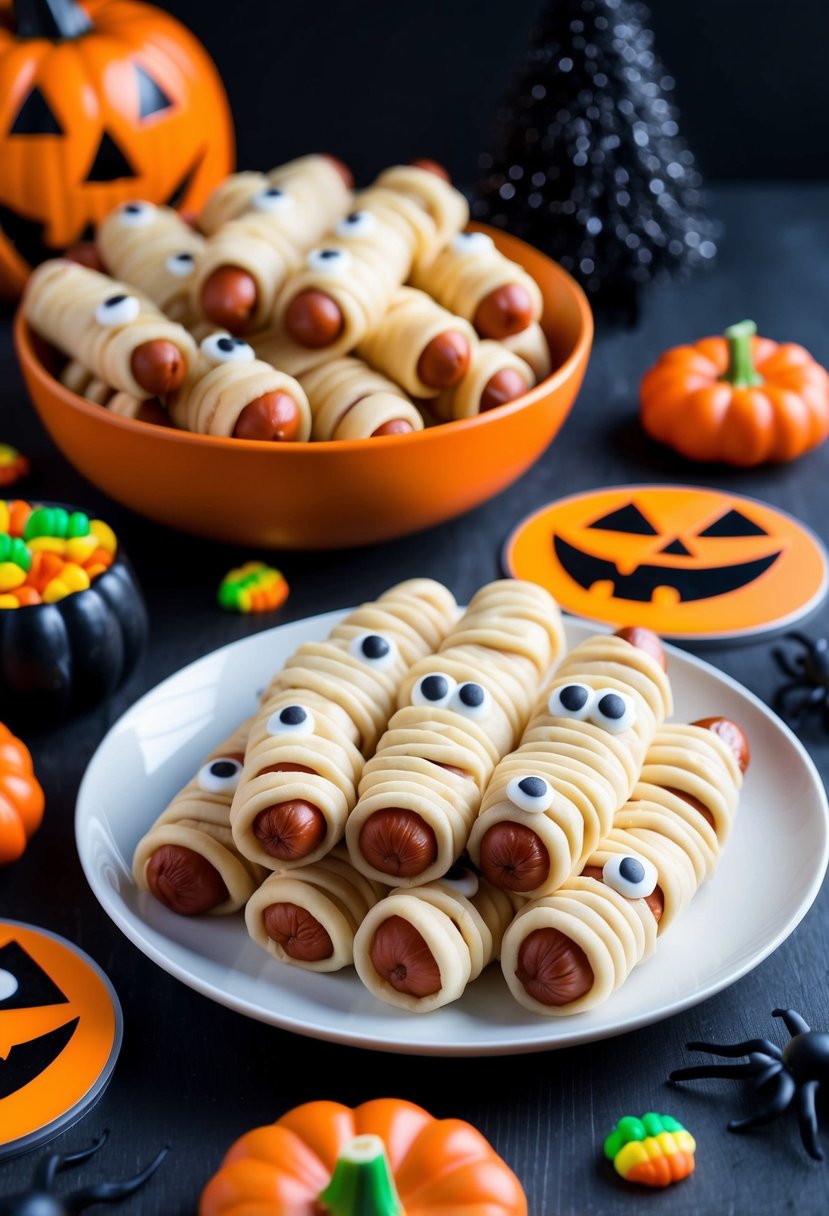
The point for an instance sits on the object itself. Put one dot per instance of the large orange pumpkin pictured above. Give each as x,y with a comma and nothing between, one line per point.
324,1159
21,798
99,104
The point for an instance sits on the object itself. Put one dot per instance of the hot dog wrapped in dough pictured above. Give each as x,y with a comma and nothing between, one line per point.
232,393
472,278
420,345
551,801
80,380
119,335
318,187
154,249
321,716
569,951
349,400
426,184
419,948
309,916
495,376
188,859
532,346
459,711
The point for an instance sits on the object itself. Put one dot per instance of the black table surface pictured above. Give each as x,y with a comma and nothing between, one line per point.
195,1074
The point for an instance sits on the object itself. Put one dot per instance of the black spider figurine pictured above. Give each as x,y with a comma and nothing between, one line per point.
808,684
40,1199
796,1072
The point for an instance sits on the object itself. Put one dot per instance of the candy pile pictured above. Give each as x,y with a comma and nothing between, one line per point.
655,1150
13,465
253,587
47,553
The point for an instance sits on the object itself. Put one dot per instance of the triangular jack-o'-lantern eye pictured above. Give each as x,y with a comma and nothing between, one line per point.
151,97
627,519
23,982
110,163
734,523
35,117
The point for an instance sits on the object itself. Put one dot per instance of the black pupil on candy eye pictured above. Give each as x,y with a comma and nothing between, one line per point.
113,301
631,869
573,697
274,192
375,647
471,695
612,705
533,787
292,715
223,768
133,208
329,253
184,257
434,688
226,344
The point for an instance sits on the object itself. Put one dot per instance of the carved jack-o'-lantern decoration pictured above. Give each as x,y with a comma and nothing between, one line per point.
60,1032
681,561
99,104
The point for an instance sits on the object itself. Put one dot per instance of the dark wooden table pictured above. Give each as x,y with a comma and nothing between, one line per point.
197,1075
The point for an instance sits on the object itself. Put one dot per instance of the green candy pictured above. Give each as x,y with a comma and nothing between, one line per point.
630,1128
229,596
78,525
46,521
13,549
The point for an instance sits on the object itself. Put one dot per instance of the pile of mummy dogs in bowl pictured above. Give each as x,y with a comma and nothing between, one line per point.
294,309
418,796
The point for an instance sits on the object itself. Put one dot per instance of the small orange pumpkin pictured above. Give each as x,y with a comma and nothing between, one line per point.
387,1157
739,399
99,103
21,798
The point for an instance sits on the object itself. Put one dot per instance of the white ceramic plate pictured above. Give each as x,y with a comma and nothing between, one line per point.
766,882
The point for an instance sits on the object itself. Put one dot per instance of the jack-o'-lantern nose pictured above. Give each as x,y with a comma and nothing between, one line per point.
110,163
677,549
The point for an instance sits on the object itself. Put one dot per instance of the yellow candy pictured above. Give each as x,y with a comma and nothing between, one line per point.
54,591
4,515
11,576
75,578
8,601
80,548
104,535
47,544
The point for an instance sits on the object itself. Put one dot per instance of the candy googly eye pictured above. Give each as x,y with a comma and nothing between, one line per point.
530,793
612,710
472,243
291,720
570,701
435,689
374,649
117,310
471,700
329,261
634,877
181,265
359,223
136,215
222,348
462,879
272,201
220,776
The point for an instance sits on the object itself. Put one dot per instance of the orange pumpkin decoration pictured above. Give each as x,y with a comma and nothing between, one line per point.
21,798
387,1157
739,399
99,104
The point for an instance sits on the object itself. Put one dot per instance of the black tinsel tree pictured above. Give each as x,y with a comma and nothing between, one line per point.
587,162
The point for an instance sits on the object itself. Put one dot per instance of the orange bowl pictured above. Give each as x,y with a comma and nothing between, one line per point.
322,495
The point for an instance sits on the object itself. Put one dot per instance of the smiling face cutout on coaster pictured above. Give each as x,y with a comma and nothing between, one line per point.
687,563
60,1032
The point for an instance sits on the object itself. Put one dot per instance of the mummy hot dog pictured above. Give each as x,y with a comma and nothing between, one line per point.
232,393
188,859
351,401
155,250
531,345
460,711
494,377
119,335
551,801
569,951
418,344
418,949
248,257
309,916
321,715
472,278
81,381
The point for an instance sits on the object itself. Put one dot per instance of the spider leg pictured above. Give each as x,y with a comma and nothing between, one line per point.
763,1046
111,1192
44,1174
807,700
786,1088
795,635
782,661
807,1118
733,1071
764,1077
792,1020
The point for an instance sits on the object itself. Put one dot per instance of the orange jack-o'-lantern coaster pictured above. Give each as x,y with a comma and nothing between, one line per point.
688,563
60,1034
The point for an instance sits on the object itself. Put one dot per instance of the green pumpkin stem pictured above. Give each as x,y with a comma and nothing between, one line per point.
362,1183
54,19
741,371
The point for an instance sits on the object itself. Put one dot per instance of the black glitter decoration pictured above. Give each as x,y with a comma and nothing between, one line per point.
587,162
